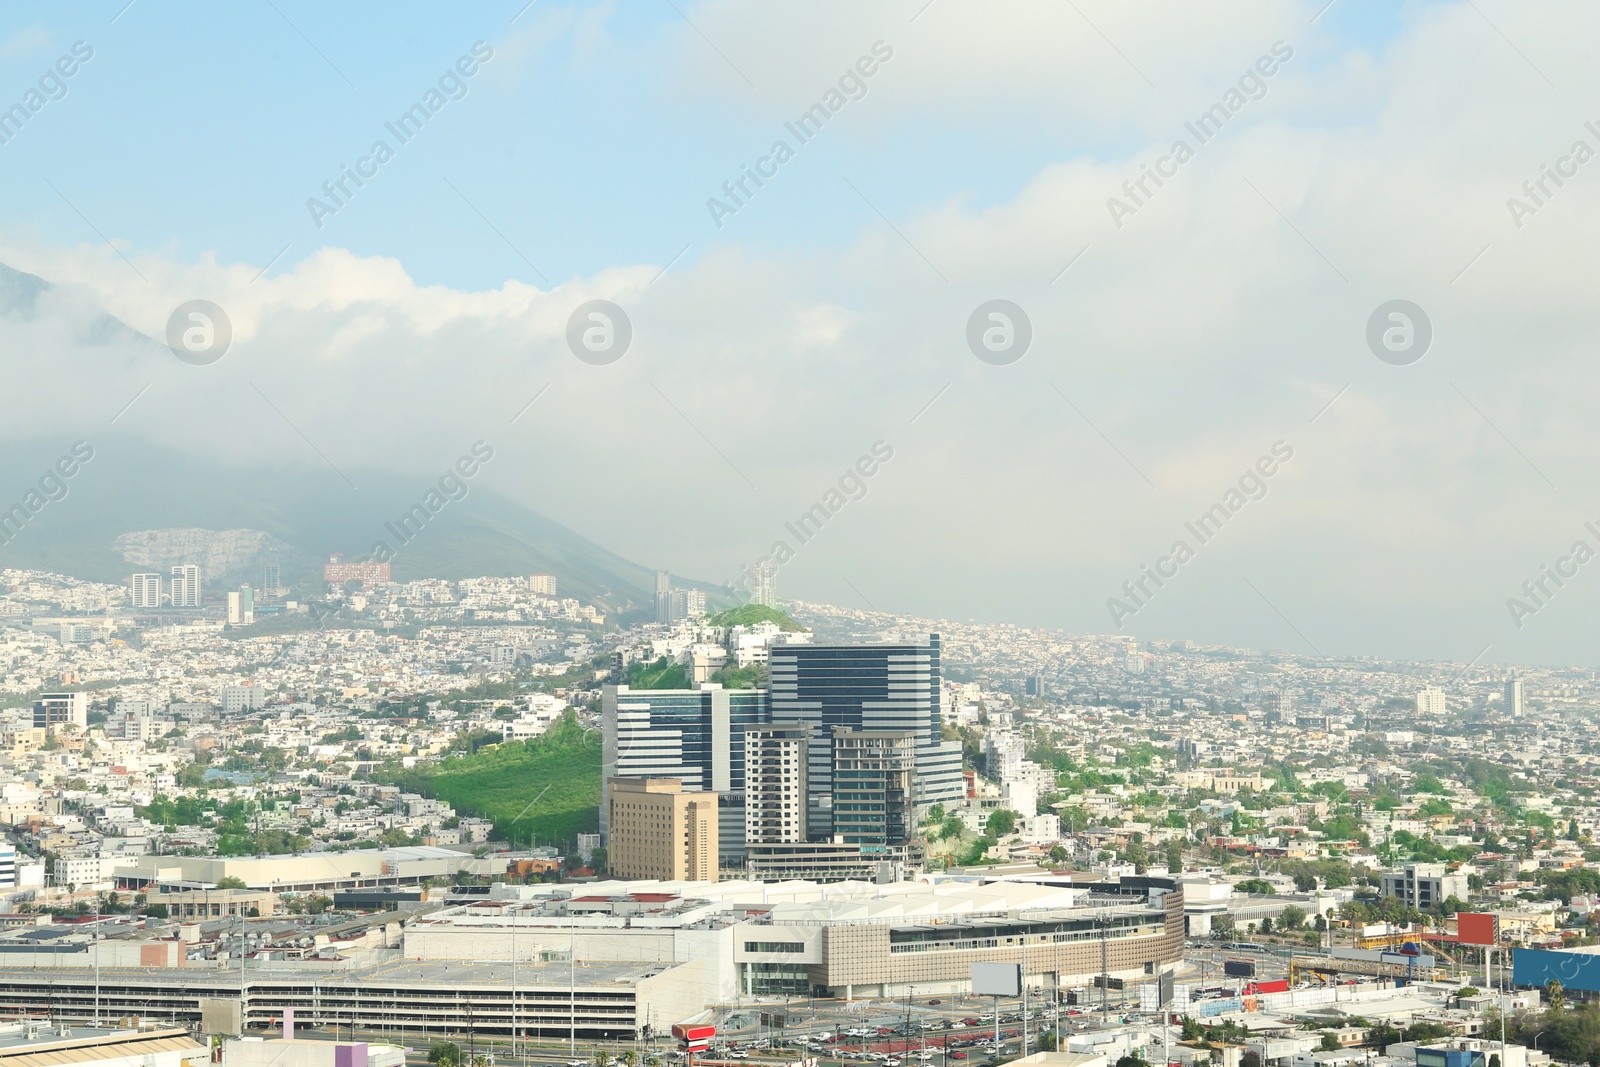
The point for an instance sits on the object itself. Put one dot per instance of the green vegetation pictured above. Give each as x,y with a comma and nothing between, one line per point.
752,677
751,614
547,787
661,674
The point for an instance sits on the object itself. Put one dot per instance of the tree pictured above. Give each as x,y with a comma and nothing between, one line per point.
1266,924
1330,1042
1553,993
445,1054
1001,822
231,881
1250,1058
1320,923
602,1058
1292,918
1132,1060
1222,925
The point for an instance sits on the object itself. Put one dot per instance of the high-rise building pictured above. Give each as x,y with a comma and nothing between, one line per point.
272,582
1513,696
53,710
543,584
873,799
695,735
775,783
186,586
663,596
1430,703
894,687
1283,706
242,606
684,604
147,590
1033,685
659,831
766,585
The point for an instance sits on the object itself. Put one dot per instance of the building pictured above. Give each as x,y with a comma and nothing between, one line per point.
873,798
1513,697
146,591
242,606
775,783
894,687
687,604
697,735
1430,703
846,940
186,592
766,585
337,572
34,1042
543,584
1423,885
1033,686
663,596
8,865
694,735
54,710
241,698
658,831
272,582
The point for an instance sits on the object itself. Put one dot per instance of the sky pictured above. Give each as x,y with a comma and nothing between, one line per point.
1186,334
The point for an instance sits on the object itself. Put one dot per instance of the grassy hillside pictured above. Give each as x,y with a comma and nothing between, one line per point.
750,614
547,787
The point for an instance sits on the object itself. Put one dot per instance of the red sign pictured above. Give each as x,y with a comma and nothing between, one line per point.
1475,928
693,1033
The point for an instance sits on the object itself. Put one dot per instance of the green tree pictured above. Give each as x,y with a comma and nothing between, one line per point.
1292,918
1329,1042
445,1054
1001,822
231,881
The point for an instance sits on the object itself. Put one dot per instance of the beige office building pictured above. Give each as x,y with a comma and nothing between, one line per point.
658,831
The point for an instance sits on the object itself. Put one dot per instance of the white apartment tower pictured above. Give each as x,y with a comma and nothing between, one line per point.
766,585
775,783
1514,697
147,590
186,586
1430,703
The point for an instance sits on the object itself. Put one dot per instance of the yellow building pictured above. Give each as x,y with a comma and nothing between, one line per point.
655,830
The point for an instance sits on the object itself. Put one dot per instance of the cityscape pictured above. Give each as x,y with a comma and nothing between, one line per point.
556,533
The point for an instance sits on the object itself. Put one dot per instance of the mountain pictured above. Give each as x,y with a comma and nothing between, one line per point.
136,506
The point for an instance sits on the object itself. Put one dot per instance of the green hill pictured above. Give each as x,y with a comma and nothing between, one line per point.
751,614
545,789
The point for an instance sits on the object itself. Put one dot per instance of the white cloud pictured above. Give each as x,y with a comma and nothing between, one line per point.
1192,338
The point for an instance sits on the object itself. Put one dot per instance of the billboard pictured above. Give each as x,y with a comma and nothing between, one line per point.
1239,968
996,979
1476,928
1578,971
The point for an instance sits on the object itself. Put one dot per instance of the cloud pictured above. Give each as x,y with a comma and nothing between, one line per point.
1223,316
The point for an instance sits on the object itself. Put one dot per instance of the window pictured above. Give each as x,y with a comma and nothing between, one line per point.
774,946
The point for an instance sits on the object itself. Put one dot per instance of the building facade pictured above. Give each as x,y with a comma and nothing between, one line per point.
53,710
659,831
873,798
1423,885
146,591
775,783
186,591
